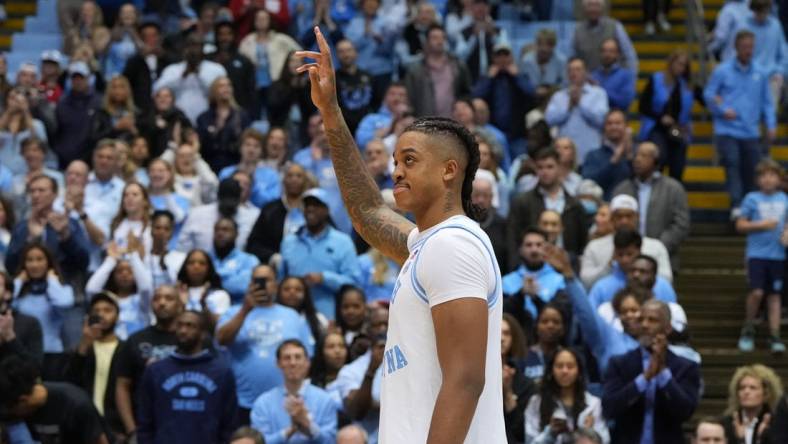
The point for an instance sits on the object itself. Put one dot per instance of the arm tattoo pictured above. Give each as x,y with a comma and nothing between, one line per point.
378,225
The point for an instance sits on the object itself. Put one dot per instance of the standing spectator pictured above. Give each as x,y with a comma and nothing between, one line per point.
378,275
20,334
296,411
662,202
350,312
352,434
563,405
331,355
507,92
246,14
16,125
276,148
355,89
144,68
93,365
221,125
132,222
374,36
103,190
194,179
517,389
753,394
294,293
656,12
49,87
434,83
609,164
7,223
50,411
709,431
492,224
124,41
617,81
117,117
325,272
665,108
240,69
763,220
595,29
289,102
200,286
39,291
89,29
145,347
579,110
74,112
233,265
188,396
738,97
478,39
163,197
189,80
650,391
252,331
34,153
166,123
549,195
376,125
265,180
543,65
780,421
410,44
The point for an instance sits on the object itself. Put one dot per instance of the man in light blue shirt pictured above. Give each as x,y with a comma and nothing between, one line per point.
296,412
739,100
374,36
253,330
104,190
394,101
322,255
579,111
544,65
233,265
617,81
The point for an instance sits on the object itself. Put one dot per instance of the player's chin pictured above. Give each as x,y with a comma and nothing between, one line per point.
404,198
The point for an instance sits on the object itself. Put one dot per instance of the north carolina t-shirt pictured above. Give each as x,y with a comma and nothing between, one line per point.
758,206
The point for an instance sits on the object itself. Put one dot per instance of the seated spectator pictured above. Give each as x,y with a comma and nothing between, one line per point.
197,232
410,44
240,69
597,255
34,153
736,120
233,266
551,331
166,122
296,411
20,334
132,222
163,197
117,118
352,434
550,195
49,411
709,431
200,285
376,158
265,180
780,421
374,125
579,110
371,31
763,219
650,391
49,86
477,39
753,395
294,293
567,166
276,150
594,29
617,81
124,275
144,66
324,273
563,405
534,283
200,406
490,160
665,108
663,207
331,354
194,179
609,164
73,114
93,366
17,124
252,331
189,78
351,312
291,90
503,80
89,30
221,125
481,117
435,82
103,190
355,91
483,196
517,389
128,168
378,275
142,348
542,64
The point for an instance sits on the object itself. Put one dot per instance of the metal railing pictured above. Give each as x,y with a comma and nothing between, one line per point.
696,34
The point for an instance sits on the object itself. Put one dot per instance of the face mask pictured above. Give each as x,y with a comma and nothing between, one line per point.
589,206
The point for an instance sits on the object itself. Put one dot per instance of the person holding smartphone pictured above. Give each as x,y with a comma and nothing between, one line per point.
252,331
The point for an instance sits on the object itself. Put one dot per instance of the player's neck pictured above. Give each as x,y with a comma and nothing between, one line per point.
438,212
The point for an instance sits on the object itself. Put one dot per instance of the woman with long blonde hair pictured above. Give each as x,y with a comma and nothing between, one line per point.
117,118
131,226
753,394
221,125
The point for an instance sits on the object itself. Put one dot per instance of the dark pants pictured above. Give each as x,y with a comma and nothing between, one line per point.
652,7
672,153
739,158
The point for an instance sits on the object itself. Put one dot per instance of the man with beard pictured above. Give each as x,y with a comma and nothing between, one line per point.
189,396
143,348
534,283
354,85
232,264
240,70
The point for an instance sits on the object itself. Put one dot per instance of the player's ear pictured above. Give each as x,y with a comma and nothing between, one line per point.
451,169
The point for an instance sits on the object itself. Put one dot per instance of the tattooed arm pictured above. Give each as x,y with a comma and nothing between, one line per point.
380,226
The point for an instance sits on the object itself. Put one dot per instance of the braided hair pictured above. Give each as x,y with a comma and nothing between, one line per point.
441,126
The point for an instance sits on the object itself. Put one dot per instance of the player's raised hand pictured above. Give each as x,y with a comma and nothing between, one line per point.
321,73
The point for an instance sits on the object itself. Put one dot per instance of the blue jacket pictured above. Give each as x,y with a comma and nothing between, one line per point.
370,124
186,399
607,175
605,288
47,304
331,253
771,53
547,279
618,83
509,98
72,254
744,89
270,417
266,184
660,95
375,56
235,271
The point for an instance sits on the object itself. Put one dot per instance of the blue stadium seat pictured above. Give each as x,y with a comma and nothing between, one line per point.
36,42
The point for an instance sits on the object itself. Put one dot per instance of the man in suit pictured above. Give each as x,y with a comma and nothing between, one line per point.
649,392
143,68
663,206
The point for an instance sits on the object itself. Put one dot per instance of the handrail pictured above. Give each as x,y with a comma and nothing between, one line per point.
696,33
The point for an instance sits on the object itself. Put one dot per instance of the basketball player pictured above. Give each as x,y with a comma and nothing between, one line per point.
442,363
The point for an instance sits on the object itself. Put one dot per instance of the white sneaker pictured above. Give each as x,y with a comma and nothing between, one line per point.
664,25
650,28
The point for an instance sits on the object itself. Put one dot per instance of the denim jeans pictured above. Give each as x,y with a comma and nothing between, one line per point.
739,157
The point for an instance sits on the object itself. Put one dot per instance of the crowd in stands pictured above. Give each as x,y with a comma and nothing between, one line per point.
178,265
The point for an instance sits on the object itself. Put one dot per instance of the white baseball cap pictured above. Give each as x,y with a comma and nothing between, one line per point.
623,202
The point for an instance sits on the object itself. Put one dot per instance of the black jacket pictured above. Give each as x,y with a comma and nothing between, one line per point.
241,72
142,79
779,422
495,227
74,114
730,430
29,340
219,147
674,404
267,233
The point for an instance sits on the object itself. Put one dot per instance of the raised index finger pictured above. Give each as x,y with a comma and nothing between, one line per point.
322,43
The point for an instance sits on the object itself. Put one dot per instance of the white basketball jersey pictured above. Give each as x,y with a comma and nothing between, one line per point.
451,260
